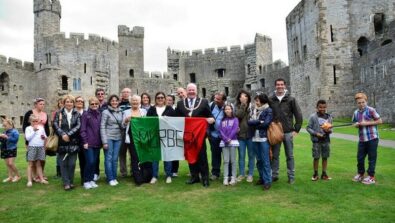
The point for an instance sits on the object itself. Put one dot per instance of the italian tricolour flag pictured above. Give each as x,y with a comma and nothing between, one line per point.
168,138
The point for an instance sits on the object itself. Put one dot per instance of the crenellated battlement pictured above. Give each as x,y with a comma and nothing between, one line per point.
79,39
137,31
16,63
219,51
47,5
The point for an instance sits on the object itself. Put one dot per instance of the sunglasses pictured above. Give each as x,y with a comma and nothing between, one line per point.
94,104
160,97
100,94
80,101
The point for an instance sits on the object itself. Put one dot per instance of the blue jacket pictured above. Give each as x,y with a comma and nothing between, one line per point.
12,141
262,124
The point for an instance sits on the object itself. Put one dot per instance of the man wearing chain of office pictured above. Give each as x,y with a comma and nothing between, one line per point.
193,106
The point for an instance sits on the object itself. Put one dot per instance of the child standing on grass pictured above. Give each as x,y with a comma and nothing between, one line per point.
35,135
320,127
228,132
366,119
9,141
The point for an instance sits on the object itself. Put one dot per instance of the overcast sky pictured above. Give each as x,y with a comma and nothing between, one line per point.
179,24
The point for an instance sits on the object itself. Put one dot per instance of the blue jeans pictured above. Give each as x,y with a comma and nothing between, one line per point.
91,159
289,154
246,144
111,159
166,164
368,148
262,153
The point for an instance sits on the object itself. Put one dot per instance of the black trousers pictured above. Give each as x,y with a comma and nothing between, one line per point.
201,166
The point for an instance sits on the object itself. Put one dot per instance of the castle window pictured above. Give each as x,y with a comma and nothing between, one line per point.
262,82
91,80
308,84
41,66
226,91
192,77
4,83
248,86
126,52
317,62
362,45
334,75
304,52
48,57
175,77
331,32
84,68
248,69
220,72
64,83
20,120
378,21
204,92
131,73
260,69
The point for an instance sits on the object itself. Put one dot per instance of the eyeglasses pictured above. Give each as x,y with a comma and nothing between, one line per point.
92,104
79,101
100,94
160,97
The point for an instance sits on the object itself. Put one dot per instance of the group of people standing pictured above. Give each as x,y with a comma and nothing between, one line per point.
241,127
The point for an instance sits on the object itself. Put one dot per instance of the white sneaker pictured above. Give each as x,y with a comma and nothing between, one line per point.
175,174
153,180
369,180
168,180
357,178
250,179
93,184
112,183
88,185
232,181
240,178
116,182
226,181
96,177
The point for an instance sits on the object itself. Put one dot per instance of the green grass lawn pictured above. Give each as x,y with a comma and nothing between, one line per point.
338,200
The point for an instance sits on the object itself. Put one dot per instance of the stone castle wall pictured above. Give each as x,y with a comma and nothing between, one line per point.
17,88
322,46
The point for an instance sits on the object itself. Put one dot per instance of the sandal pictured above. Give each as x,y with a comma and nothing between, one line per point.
36,179
16,179
44,181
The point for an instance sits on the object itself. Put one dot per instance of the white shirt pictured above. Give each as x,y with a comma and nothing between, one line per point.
68,116
160,110
34,137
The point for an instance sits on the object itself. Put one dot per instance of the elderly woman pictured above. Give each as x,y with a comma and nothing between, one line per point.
161,109
145,101
243,110
111,136
67,125
134,111
90,136
38,110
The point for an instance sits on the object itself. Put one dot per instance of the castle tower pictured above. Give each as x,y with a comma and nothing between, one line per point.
47,14
131,55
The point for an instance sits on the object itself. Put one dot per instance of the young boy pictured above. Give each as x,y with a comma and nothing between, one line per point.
319,127
366,119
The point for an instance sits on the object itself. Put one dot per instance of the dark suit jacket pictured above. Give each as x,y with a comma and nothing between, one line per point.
202,111
169,111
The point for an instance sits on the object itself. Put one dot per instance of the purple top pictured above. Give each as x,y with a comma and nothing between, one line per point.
228,129
90,128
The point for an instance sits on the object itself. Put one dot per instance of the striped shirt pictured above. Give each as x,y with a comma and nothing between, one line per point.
366,133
